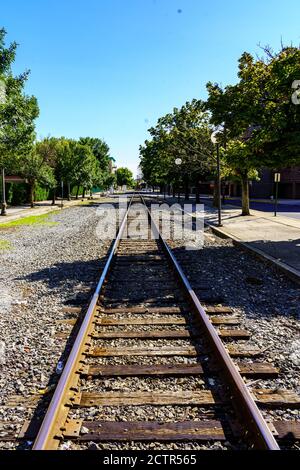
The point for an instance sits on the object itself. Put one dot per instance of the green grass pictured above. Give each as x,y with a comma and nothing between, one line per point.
31,220
4,245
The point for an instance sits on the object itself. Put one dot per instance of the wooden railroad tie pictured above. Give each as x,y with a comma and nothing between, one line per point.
264,397
160,310
106,320
247,370
234,351
100,431
168,334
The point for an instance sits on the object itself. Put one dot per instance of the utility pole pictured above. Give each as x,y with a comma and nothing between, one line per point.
215,142
219,188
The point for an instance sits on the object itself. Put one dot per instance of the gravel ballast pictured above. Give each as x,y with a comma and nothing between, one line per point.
47,268
51,267
266,302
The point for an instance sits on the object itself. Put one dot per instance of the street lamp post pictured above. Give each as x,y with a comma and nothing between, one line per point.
277,181
215,142
3,204
178,162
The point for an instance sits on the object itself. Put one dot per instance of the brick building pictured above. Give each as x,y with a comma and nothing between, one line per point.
289,186
290,183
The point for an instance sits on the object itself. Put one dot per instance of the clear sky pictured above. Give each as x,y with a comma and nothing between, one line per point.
110,68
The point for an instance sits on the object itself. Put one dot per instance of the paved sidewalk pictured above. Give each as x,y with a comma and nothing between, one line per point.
277,239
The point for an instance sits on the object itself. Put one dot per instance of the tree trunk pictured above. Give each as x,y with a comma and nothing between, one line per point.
31,195
223,193
83,194
53,196
186,190
77,192
245,194
197,192
69,192
173,191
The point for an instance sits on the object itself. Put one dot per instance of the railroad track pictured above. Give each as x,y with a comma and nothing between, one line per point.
166,369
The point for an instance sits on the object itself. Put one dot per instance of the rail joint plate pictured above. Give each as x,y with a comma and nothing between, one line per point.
72,428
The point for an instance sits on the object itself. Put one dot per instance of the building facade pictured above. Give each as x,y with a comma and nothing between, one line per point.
288,188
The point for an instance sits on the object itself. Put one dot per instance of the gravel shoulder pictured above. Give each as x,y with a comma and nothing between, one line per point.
49,267
46,268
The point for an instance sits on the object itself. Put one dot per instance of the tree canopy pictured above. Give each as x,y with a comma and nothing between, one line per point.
261,123
258,122
182,135
18,111
124,177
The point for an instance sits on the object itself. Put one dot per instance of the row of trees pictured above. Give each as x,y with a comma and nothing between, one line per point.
83,163
258,126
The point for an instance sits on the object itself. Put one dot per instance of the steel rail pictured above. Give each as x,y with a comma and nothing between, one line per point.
48,436
51,424
242,399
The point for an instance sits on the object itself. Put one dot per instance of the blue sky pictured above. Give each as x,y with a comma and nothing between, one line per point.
110,68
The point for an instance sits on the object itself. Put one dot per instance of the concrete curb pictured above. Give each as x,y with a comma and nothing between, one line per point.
290,272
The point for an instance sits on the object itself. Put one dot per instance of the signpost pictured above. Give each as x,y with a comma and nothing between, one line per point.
277,181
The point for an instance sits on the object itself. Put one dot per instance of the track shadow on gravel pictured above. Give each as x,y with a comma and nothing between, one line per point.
67,274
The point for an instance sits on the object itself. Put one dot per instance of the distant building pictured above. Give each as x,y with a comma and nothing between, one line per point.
289,186
140,178
112,165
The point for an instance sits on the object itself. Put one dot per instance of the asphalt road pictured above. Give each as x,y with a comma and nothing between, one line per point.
286,210
291,211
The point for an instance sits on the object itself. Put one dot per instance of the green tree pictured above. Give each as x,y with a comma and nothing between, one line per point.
85,172
35,169
108,180
100,150
183,134
17,112
124,177
48,151
259,117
